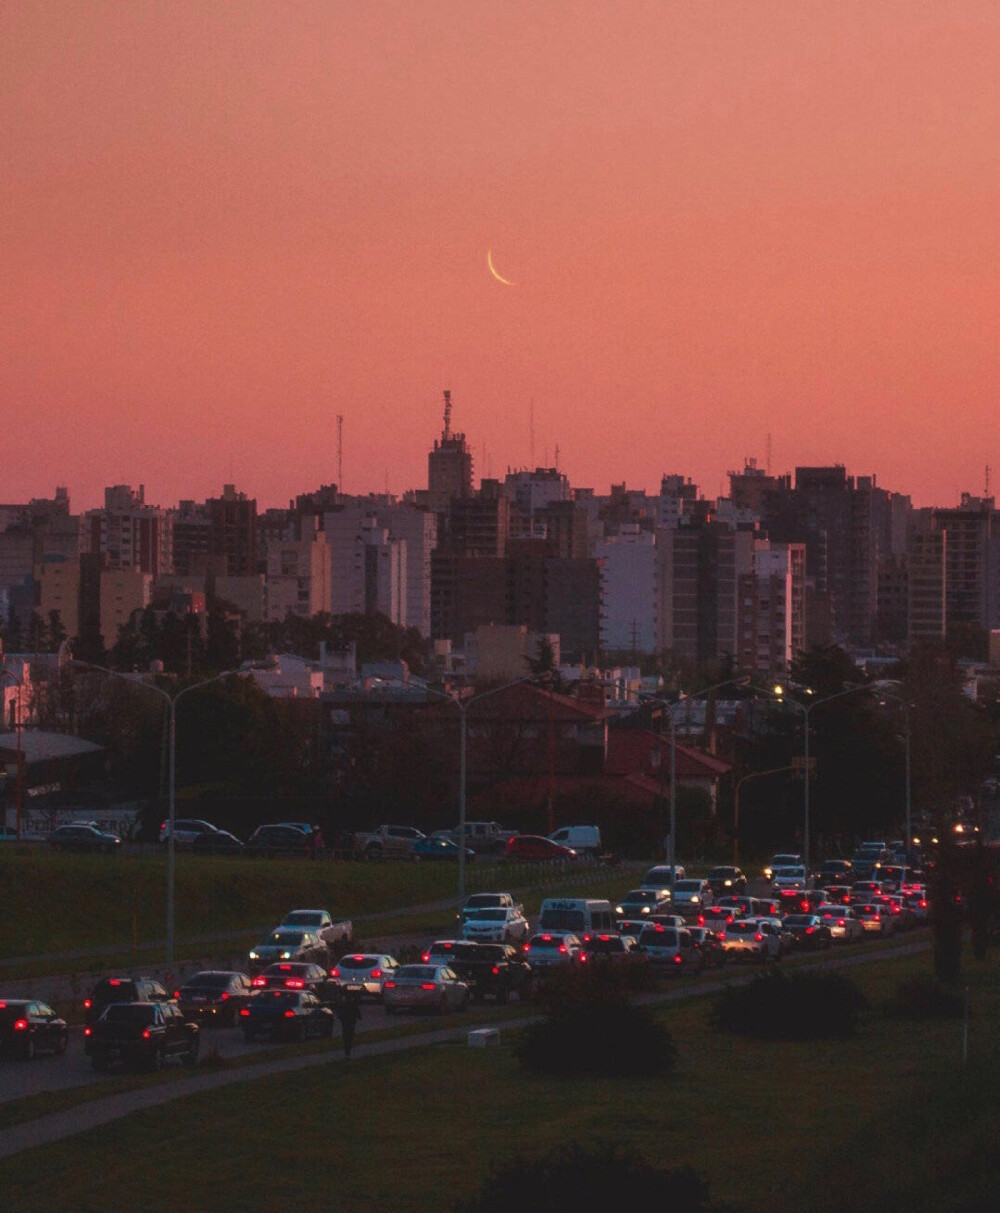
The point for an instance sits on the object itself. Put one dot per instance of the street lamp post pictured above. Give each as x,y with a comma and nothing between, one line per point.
463,706
17,729
669,706
172,701
879,689
779,693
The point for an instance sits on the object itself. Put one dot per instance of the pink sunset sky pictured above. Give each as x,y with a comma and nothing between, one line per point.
224,223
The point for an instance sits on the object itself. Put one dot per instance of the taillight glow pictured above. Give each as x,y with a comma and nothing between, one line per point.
390,985
496,970
428,985
563,948
334,972
146,1034
245,1011
426,957
289,1015
224,995
115,981
294,983
177,993
375,973
87,1004
88,1031
758,938
582,958
259,982
20,1025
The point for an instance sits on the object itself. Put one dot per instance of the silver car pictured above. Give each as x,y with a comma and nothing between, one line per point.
364,973
425,988
547,951
500,924
844,924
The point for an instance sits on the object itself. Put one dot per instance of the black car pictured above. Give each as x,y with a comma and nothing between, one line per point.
285,1015
29,1026
278,840
142,1035
808,931
726,881
214,996
297,975
121,989
219,843
81,837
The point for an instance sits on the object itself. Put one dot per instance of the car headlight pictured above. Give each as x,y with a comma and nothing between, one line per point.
619,910
286,956
728,884
644,910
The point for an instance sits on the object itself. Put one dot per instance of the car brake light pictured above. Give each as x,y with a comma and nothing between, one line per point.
701,920
294,983
720,935
496,970
360,956
810,930
526,947
677,960
177,993
390,985
375,973
426,957
115,981
334,972
289,1014
146,1034
428,985
923,904
88,1031
20,1025
841,922
582,958
245,1011
259,982
87,1004
562,947
224,995
547,938
758,938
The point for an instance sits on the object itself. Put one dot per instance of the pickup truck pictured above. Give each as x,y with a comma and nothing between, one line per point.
387,842
322,923
485,837
142,1035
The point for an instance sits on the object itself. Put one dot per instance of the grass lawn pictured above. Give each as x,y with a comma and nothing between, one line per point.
72,903
890,1120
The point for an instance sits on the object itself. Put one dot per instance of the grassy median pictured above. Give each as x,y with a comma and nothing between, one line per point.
890,1119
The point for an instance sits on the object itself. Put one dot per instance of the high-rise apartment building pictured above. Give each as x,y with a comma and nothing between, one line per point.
130,533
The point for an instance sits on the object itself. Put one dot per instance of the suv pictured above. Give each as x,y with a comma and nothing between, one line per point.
186,830
142,1035
727,881
121,989
671,950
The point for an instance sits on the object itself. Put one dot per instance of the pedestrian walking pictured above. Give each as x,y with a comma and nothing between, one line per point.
348,1011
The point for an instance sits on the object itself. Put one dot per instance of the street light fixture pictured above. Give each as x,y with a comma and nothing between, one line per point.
172,701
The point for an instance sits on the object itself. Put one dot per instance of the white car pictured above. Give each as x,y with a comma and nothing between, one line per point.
691,896
845,926
784,859
758,939
495,924
320,922
790,877
424,988
550,951
638,903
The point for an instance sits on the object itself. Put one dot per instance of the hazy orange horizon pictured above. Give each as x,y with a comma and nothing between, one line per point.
225,224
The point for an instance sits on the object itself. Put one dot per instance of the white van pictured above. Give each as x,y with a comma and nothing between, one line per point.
580,915
585,840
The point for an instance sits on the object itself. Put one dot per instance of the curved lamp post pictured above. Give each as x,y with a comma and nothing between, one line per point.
172,701
7,673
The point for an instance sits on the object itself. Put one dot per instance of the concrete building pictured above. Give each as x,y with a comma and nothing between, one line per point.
130,533
772,609
297,572
503,653
629,593
367,567
927,603
58,588
123,592
972,561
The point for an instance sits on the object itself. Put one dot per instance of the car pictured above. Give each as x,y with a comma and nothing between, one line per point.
670,950
893,918
791,877
870,917
691,896
81,836
285,1015
143,1035
662,875
717,918
754,939
533,848
29,1026
662,920
121,989
710,942
834,872
289,943
726,880
838,894
585,840
499,924
491,970
438,847
549,951
272,840
866,889
483,901
639,903
843,922
321,923
297,975
221,842
214,996
186,830
800,901
364,973
425,987
634,926
607,949
916,899
784,859
808,931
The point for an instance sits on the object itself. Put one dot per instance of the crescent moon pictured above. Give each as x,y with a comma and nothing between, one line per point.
492,269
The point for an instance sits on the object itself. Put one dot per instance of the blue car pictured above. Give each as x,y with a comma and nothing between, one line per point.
438,848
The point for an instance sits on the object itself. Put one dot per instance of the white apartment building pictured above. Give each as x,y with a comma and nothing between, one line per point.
629,598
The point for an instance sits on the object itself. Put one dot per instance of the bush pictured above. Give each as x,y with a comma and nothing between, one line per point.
925,998
600,1036
804,1006
588,1179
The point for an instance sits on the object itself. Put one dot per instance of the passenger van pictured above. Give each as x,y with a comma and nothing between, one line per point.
580,915
585,840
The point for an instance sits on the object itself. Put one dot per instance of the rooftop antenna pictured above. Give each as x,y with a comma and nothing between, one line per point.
340,451
531,434
767,458
446,432
557,457
987,480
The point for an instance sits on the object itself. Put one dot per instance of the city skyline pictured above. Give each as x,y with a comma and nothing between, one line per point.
732,230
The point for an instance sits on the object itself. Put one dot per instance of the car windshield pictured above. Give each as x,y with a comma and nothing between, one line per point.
285,938
687,886
479,900
658,937
741,928
357,962
565,920
304,918
417,973
798,920
129,1012
489,915
209,981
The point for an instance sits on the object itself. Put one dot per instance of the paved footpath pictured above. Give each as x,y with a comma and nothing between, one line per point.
60,1125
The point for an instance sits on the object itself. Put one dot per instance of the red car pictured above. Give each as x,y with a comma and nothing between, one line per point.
534,847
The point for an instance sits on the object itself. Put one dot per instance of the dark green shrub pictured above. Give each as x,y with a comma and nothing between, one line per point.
603,1036
925,998
803,1006
589,1179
